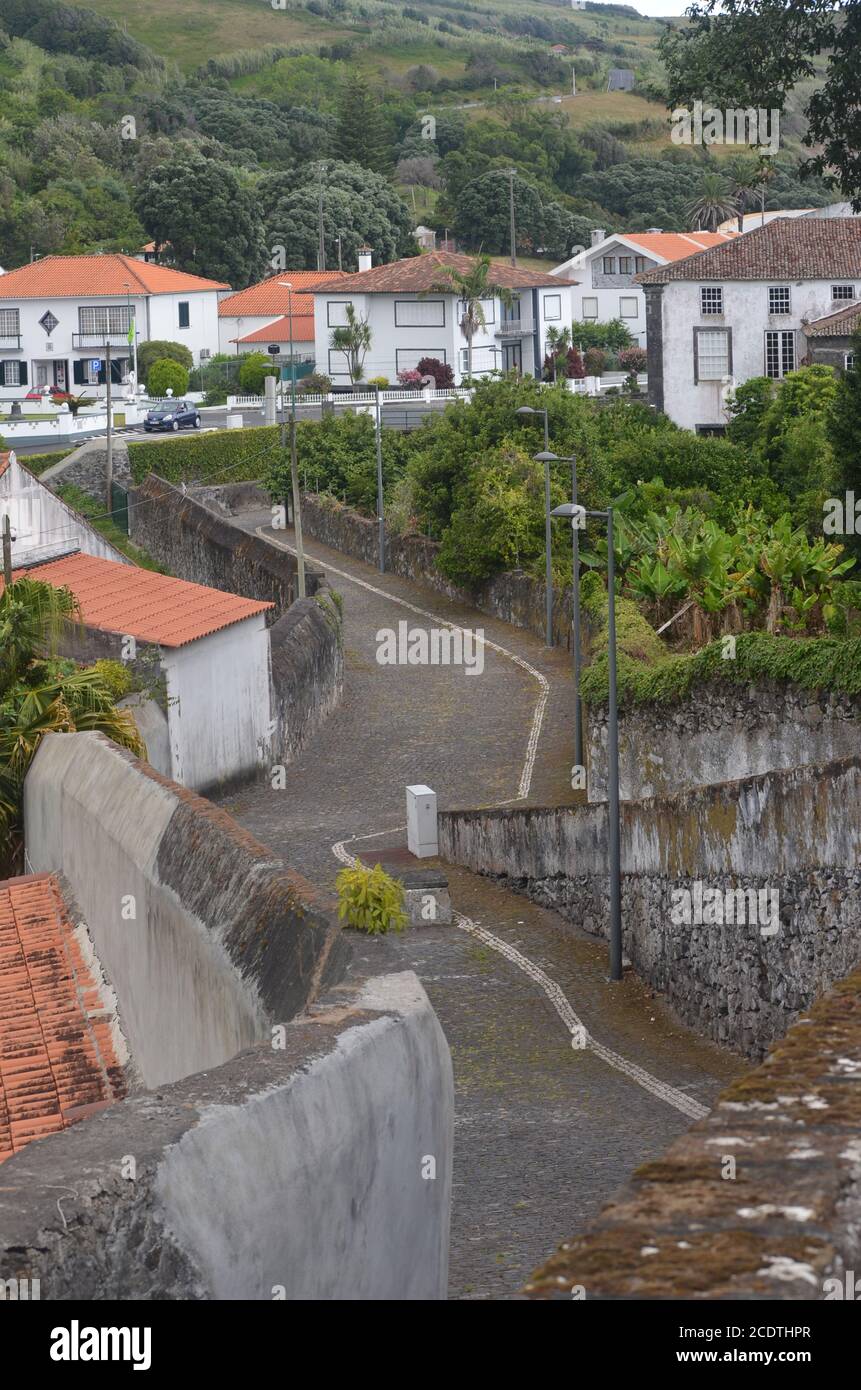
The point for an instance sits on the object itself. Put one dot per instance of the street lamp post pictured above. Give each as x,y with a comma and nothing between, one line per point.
577,516
575,570
546,458
378,430
294,468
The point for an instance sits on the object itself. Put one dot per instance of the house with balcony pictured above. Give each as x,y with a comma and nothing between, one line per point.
606,271
60,314
764,304
414,311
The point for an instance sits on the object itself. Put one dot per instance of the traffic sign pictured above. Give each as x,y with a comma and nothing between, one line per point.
96,365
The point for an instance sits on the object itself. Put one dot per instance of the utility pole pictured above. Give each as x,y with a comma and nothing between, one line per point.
7,551
511,174
109,440
321,240
294,469
338,239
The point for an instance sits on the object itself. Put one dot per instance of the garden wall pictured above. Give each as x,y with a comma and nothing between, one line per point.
719,731
797,832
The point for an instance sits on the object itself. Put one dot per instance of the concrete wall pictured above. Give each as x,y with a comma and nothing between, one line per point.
204,934
86,468
307,660
195,544
782,1223
42,525
797,832
721,731
292,1172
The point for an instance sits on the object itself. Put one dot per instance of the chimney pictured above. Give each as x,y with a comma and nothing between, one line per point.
366,255
654,231
598,234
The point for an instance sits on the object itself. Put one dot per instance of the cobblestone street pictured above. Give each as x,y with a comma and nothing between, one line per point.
544,1132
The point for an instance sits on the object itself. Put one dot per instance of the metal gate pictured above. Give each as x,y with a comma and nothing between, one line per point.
120,507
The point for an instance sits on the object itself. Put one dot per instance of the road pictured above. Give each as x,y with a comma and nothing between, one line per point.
545,1132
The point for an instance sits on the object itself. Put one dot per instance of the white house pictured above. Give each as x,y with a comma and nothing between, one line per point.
42,526
742,310
605,272
412,313
252,318
58,314
213,656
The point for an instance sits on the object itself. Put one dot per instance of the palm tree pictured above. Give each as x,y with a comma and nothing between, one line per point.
743,174
40,694
765,173
558,343
352,339
713,205
472,287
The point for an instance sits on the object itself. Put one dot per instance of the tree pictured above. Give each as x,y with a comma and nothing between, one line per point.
353,339
40,694
167,376
157,349
361,135
844,429
744,176
210,220
359,206
253,371
482,216
712,205
472,287
745,53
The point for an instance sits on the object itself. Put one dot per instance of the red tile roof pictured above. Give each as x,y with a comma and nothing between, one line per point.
674,246
75,277
279,331
842,323
5,460
271,297
57,1053
428,272
798,248
138,603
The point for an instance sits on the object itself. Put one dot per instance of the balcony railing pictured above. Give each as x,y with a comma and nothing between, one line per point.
94,341
513,328
10,342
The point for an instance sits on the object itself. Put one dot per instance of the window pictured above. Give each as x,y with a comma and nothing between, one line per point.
184,315
842,291
712,431
12,373
629,308
552,307
778,299
626,265
420,313
483,359
10,323
590,308
849,361
779,353
711,299
104,320
712,354
639,264
407,359
336,312
488,308
608,265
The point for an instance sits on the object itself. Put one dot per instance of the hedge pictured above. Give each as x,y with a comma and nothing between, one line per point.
37,463
234,456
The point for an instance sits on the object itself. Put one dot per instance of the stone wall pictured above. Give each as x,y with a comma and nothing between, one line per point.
514,597
797,832
307,662
194,543
86,467
780,1221
206,936
720,731
298,1172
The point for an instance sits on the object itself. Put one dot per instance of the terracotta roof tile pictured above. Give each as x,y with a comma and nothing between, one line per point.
675,246
138,603
57,1062
817,248
428,272
75,277
842,323
279,331
270,296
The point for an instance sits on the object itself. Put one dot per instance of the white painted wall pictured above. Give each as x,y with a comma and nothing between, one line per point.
745,305
396,347
604,302
219,710
202,332
42,525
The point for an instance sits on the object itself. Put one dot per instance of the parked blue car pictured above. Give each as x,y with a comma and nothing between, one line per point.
172,415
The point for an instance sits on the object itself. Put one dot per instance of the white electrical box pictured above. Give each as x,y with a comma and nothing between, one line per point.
421,822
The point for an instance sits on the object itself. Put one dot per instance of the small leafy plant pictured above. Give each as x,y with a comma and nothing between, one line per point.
370,899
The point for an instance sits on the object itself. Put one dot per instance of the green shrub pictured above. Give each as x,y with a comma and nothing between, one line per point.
159,350
255,368
316,384
167,375
38,463
217,396
223,456
115,677
370,900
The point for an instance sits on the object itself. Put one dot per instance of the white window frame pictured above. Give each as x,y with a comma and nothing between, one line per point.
488,308
407,304
11,372
849,361
777,293
781,335
557,300
720,364
629,299
837,297
476,356
108,320
589,299
711,300
11,316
